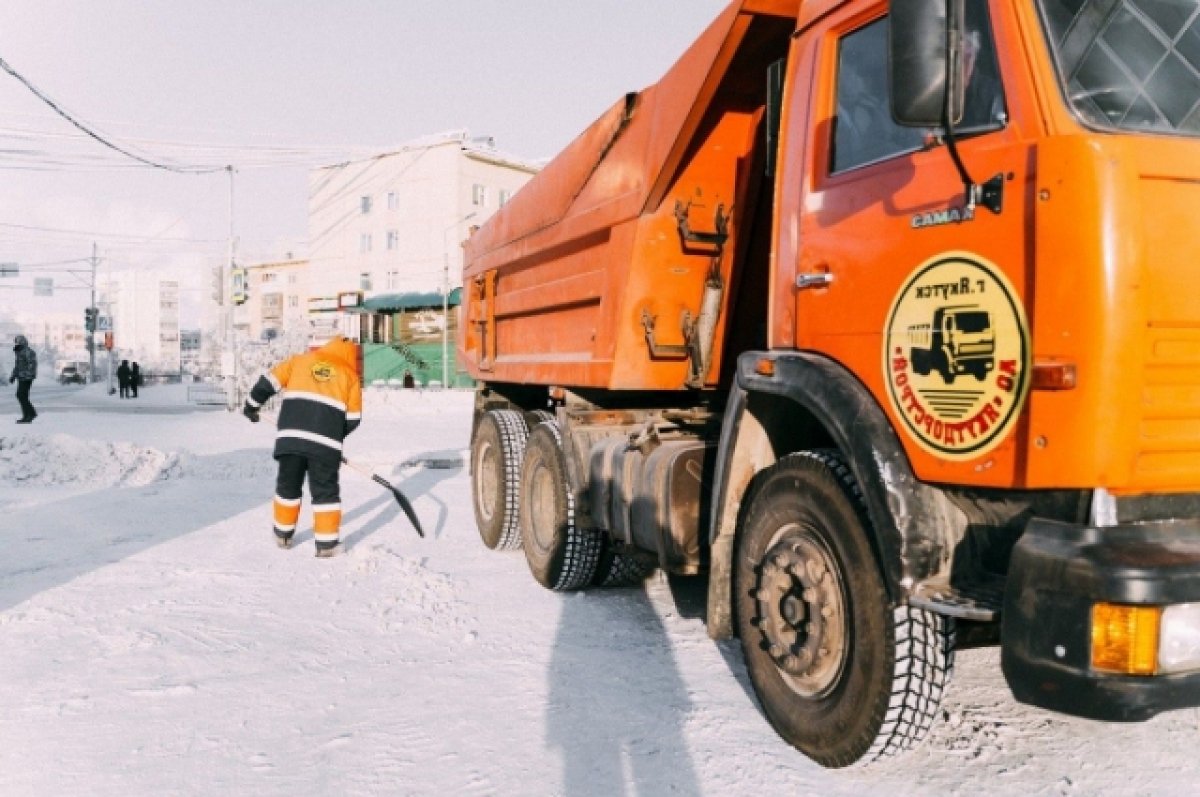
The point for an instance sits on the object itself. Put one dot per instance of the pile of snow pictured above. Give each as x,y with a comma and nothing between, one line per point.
61,459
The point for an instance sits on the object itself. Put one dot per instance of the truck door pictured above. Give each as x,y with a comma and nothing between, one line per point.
886,241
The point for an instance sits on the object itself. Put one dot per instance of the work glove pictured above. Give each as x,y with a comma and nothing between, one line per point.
251,413
12,379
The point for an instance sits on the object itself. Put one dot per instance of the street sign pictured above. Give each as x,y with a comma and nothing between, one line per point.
9,269
43,286
104,323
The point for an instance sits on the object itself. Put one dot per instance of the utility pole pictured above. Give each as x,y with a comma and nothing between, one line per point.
92,332
227,306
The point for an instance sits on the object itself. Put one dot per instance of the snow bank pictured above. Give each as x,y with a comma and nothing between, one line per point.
49,460
61,459
386,400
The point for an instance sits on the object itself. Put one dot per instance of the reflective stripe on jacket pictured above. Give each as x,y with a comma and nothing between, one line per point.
322,400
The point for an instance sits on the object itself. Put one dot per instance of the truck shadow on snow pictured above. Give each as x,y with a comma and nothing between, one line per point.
50,544
618,707
690,596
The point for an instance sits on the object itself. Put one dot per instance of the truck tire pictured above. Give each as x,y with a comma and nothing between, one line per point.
841,675
617,569
496,453
561,555
538,416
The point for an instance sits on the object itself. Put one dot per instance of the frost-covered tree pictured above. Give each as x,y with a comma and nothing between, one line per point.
256,357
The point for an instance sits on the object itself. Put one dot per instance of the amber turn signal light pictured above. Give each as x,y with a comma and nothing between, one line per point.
1125,638
765,367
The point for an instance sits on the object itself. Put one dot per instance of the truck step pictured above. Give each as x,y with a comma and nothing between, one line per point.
979,601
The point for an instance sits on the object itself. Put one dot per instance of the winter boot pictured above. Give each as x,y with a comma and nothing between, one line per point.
283,539
328,550
25,420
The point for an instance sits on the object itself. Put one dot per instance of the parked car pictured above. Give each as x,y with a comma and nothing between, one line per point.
70,375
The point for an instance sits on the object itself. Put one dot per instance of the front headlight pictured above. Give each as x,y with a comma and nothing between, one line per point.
1179,646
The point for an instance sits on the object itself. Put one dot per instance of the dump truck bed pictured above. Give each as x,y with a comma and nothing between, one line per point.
631,226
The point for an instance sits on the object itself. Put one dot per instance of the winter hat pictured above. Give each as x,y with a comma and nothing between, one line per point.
20,340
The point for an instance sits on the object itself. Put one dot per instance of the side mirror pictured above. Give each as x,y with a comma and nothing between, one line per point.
925,80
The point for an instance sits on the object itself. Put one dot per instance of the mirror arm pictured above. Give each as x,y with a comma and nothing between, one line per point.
952,147
991,193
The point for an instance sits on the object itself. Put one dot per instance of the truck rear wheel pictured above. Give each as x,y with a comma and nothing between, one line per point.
561,555
841,675
496,453
619,569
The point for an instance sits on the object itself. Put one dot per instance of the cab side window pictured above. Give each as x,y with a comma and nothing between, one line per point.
864,131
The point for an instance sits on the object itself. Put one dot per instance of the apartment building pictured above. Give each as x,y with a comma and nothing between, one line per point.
393,224
276,299
144,309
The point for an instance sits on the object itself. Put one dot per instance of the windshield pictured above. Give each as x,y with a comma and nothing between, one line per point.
973,322
1129,64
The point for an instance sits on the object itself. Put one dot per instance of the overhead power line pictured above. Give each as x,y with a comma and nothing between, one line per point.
93,134
126,237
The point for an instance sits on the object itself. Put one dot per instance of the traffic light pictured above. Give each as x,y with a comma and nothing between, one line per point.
89,319
239,289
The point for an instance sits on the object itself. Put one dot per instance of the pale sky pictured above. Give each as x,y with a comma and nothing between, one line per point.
273,87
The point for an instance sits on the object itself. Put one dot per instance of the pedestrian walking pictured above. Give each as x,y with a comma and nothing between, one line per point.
123,378
135,379
23,373
322,404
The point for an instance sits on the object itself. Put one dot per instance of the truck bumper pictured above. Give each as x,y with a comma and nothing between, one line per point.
1057,573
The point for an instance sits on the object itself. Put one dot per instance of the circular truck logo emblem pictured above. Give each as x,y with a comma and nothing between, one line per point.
956,356
322,371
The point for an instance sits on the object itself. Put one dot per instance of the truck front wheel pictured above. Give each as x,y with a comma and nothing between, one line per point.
561,555
841,675
496,453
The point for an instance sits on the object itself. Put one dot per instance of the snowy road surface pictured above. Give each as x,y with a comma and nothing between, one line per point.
155,641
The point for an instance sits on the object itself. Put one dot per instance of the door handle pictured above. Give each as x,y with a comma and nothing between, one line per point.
814,279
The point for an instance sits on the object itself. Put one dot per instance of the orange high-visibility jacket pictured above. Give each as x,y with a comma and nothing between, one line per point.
322,400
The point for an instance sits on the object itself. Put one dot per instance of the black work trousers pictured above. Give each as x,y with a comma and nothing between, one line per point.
322,479
23,386
322,485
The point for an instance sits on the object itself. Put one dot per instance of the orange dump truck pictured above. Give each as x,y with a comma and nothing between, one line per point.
886,318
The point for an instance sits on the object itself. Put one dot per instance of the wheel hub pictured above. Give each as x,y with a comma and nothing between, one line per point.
542,496
801,612
487,480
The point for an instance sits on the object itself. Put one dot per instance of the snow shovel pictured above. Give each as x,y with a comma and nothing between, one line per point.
401,499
